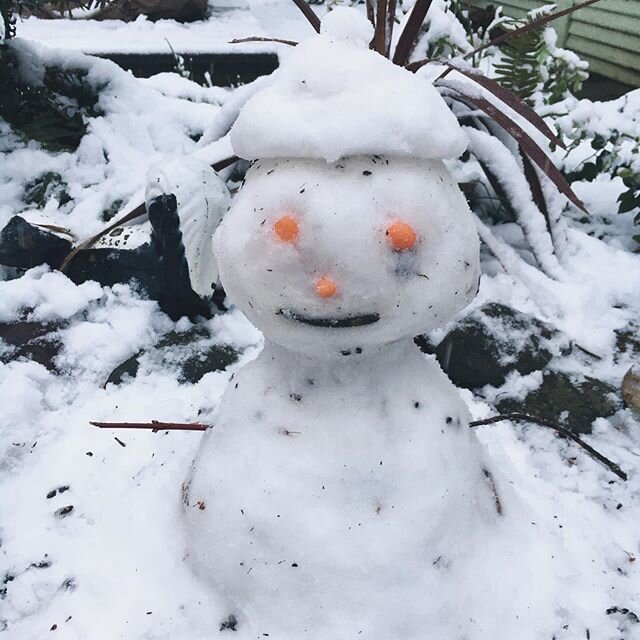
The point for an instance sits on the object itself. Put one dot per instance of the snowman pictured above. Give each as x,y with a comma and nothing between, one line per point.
340,493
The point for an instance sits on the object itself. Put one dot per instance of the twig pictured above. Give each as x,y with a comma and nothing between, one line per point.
589,353
524,417
291,43
139,211
154,426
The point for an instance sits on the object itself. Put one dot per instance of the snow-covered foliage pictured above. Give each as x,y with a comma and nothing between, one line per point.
92,537
603,163
138,125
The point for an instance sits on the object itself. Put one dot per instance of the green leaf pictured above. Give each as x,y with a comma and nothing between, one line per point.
589,172
628,201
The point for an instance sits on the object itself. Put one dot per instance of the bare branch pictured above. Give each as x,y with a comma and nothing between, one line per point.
291,43
391,20
506,96
527,144
371,13
534,24
524,417
154,426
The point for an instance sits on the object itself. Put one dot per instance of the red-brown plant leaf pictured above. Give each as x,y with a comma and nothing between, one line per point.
308,13
527,144
407,39
511,100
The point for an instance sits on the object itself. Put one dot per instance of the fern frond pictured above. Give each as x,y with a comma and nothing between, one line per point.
519,68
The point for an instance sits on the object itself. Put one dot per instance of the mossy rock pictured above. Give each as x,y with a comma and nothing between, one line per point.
192,354
572,401
485,346
35,341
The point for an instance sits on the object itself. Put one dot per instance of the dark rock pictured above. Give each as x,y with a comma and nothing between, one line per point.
231,623
191,353
140,266
215,358
176,293
493,341
63,512
25,245
572,401
32,340
127,368
159,266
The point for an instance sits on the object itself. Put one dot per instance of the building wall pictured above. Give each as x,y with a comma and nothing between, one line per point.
607,33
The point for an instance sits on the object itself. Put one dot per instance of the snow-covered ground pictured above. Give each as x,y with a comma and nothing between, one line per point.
264,18
112,566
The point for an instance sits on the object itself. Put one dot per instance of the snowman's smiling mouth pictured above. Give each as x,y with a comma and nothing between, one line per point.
331,323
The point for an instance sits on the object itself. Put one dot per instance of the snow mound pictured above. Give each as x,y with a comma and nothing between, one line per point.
333,97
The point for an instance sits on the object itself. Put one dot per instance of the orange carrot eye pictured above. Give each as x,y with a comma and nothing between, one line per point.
401,235
286,228
326,287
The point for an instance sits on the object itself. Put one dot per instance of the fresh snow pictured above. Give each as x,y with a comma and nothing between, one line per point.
350,101
114,566
140,126
263,18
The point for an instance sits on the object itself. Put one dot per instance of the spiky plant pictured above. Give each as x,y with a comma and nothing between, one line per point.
505,132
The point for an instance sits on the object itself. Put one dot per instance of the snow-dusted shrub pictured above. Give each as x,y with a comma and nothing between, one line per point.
78,178
11,9
45,102
604,157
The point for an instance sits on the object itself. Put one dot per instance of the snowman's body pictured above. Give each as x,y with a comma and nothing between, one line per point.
340,493
330,494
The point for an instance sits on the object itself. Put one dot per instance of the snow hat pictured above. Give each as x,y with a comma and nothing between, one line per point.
333,97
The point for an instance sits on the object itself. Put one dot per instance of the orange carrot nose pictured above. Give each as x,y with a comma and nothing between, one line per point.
326,287
401,235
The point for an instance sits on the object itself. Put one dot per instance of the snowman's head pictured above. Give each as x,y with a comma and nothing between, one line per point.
332,259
